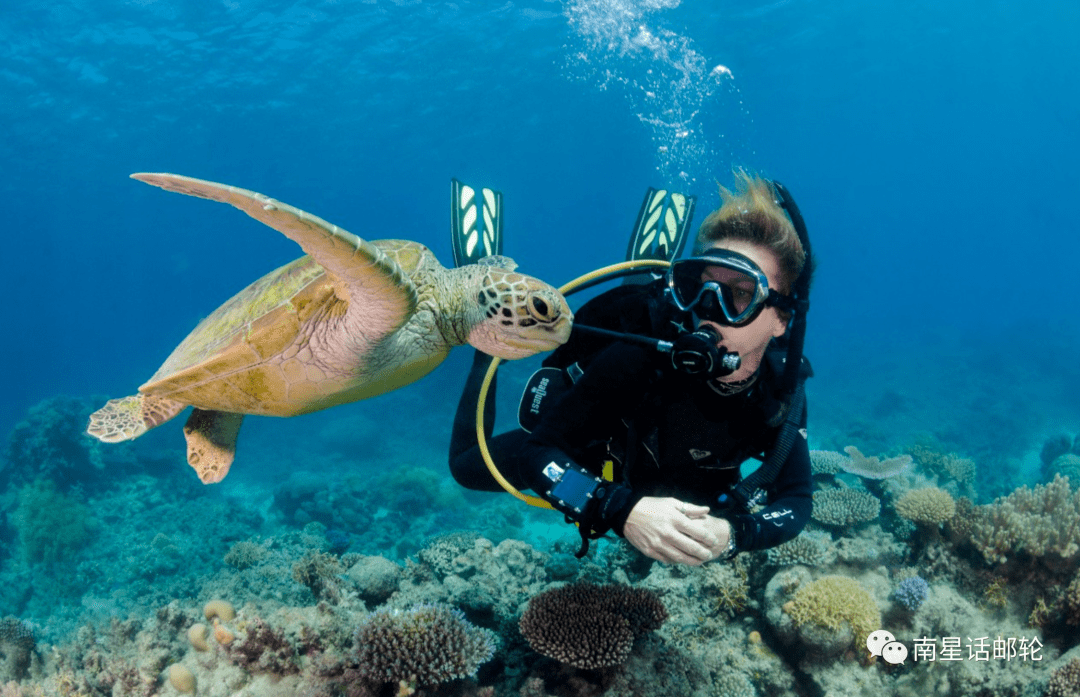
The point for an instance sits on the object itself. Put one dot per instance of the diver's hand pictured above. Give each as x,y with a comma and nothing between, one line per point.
676,532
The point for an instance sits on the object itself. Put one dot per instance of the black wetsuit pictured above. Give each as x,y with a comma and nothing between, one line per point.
670,434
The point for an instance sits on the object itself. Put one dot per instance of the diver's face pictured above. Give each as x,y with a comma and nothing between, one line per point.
750,340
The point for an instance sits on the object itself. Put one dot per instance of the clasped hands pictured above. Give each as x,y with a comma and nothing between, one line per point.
676,532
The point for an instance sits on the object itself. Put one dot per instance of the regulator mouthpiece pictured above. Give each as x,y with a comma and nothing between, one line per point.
697,353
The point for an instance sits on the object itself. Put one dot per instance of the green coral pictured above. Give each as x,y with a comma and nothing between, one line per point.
834,601
51,525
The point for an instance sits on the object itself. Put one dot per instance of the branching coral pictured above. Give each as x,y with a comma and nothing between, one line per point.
1044,521
589,626
911,592
263,649
1072,602
245,554
728,582
843,507
321,573
809,549
426,645
834,601
16,648
1065,681
930,506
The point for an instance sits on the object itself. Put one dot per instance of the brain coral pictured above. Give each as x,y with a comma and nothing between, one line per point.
426,645
833,602
929,506
589,626
845,506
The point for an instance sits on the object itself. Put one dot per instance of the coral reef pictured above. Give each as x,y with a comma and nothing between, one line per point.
50,444
375,578
911,592
873,467
929,506
844,507
320,572
1041,522
1065,681
1067,465
837,604
809,548
590,626
830,462
426,645
827,462
16,649
356,539
51,525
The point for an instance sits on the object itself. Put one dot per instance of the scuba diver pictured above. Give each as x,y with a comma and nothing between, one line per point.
667,386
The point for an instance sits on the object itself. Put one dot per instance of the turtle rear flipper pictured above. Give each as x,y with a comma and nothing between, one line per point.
130,417
475,223
211,442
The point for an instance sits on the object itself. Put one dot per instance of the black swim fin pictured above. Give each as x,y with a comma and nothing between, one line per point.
661,229
475,222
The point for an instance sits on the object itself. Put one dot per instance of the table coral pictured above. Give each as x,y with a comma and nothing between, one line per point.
589,626
873,467
827,461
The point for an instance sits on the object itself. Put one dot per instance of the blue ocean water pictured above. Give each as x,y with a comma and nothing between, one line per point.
931,146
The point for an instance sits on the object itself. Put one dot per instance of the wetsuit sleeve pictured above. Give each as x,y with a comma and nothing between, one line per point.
790,504
612,388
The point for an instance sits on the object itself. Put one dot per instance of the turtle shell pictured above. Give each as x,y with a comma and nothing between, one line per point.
252,354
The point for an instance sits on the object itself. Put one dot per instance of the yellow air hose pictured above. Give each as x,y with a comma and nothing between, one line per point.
568,289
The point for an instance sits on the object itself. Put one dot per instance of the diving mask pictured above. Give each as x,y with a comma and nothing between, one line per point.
723,287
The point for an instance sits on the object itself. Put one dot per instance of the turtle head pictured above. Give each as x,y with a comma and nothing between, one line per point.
518,315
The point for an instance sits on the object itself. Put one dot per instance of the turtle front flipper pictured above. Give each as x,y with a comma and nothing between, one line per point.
130,417
211,442
366,274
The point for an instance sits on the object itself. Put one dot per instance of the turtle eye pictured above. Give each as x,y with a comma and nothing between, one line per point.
539,308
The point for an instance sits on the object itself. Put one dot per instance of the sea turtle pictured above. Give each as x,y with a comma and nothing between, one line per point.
351,320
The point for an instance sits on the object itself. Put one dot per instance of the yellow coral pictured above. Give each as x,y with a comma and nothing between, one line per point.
832,602
929,506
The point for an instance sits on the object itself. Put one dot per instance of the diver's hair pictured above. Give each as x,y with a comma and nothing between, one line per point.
752,213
